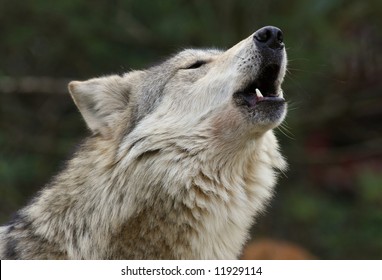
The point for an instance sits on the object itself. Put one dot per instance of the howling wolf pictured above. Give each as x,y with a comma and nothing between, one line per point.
180,160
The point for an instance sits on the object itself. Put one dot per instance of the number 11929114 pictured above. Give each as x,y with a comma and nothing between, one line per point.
237,270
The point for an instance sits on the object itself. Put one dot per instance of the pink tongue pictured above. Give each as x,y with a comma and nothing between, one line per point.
253,99
259,98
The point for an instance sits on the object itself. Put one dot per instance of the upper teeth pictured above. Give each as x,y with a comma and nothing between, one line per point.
258,93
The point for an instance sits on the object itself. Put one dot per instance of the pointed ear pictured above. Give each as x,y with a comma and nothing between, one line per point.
100,100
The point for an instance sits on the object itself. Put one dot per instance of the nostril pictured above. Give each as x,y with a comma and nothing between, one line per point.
263,35
280,37
269,37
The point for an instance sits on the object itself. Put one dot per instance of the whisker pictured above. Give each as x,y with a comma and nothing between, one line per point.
285,132
242,58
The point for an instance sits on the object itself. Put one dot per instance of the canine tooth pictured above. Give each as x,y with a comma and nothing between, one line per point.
258,93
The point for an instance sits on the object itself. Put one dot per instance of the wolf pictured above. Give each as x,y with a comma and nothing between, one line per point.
181,158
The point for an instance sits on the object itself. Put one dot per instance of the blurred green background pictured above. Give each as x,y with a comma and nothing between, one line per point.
330,200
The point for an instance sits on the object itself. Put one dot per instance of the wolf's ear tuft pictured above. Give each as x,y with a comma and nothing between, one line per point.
100,100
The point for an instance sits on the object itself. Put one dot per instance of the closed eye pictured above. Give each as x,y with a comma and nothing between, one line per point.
196,64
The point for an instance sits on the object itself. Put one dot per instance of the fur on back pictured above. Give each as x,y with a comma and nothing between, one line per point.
175,167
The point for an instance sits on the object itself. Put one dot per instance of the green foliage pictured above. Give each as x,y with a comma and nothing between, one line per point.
329,225
370,188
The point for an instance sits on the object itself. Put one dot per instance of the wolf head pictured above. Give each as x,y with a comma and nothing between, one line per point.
238,92
181,160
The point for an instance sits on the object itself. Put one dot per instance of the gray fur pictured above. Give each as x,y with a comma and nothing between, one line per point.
177,166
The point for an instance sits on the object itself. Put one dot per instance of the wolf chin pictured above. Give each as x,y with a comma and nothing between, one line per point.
180,160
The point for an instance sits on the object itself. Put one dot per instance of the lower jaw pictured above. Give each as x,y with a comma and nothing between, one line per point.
267,115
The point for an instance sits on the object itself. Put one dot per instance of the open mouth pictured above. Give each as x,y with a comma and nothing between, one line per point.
264,88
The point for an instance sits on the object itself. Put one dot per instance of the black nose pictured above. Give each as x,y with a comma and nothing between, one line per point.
269,37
